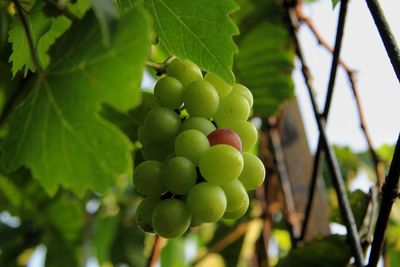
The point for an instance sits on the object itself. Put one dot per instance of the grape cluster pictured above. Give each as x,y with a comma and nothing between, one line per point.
195,140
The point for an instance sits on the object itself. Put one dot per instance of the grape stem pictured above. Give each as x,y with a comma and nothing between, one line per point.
155,253
159,67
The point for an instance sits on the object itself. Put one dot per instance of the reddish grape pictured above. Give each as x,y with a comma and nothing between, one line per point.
225,136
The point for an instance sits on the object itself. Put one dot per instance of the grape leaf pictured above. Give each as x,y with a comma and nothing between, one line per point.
38,25
198,30
57,131
265,61
106,14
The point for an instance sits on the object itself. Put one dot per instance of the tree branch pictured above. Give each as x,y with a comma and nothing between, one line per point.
227,240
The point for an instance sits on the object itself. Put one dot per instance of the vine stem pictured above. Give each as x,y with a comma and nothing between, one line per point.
155,253
160,67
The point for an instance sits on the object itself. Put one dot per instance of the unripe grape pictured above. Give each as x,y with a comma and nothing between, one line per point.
191,144
236,214
232,108
225,136
235,195
201,99
169,92
162,123
244,91
253,173
247,132
139,113
198,123
222,87
179,175
147,178
144,213
157,150
184,70
206,202
221,164
171,218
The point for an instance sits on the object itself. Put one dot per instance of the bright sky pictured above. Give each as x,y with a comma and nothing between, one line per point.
362,50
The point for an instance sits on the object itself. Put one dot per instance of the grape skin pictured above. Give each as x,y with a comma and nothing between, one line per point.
206,202
184,70
179,175
221,164
191,144
169,92
171,218
201,99
253,173
147,178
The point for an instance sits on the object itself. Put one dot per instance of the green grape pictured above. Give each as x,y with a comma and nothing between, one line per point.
157,150
239,212
179,175
221,164
222,87
171,218
184,70
247,133
147,178
206,202
144,213
235,195
244,91
232,108
169,92
253,173
143,135
139,113
201,99
195,222
198,123
191,144
162,123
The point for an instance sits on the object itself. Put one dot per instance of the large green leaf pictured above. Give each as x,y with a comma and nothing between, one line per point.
198,30
43,30
57,131
332,251
265,61
38,25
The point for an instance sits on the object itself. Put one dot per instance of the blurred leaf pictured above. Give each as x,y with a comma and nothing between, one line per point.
60,253
348,161
67,217
173,254
121,120
103,235
106,14
198,30
62,109
359,202
332,251
230,253
334,3
265,61
10,192
124,6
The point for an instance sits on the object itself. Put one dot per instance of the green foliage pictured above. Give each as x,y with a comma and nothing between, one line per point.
59,116
332,251
186,30
265,61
